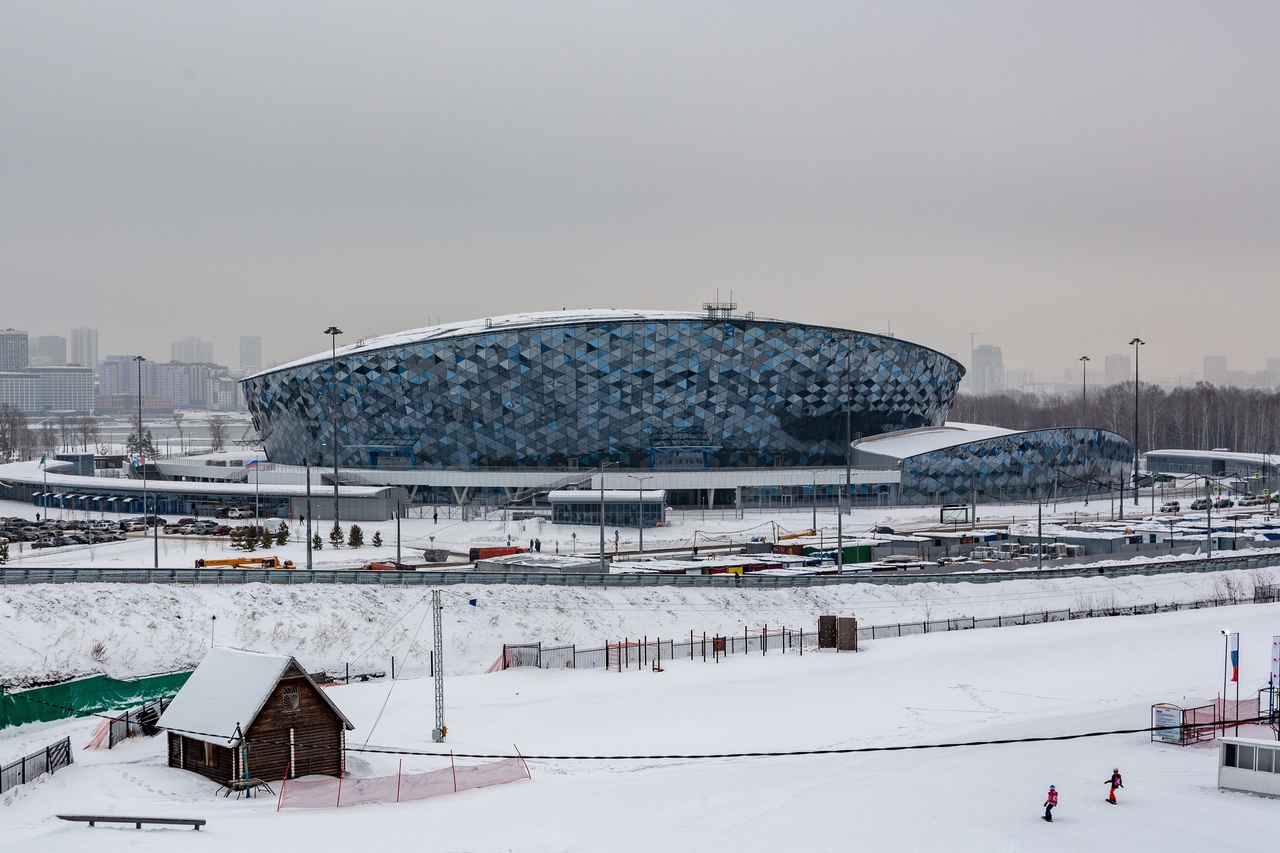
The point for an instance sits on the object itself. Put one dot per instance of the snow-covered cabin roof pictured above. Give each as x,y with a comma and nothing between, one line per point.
528,320
913,442
229,688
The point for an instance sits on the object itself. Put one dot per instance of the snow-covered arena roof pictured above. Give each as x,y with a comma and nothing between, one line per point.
526,320
913,442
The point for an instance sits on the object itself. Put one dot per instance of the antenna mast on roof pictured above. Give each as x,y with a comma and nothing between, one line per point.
720,310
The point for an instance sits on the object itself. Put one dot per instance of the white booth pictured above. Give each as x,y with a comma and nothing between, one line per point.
1248,765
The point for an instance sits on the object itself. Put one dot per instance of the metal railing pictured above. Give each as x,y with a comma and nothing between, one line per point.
643,652
954,574
137,721
48,760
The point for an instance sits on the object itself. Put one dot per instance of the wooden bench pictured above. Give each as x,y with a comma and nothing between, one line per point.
193,822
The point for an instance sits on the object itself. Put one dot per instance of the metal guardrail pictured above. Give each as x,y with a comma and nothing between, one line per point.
218,576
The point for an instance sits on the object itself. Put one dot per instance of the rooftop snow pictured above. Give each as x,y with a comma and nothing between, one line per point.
509,322
913,442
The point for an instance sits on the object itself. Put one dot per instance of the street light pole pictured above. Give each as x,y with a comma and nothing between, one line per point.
603,568
815,502
333,332
1135,343
641,480
1084,390
309,566
155,535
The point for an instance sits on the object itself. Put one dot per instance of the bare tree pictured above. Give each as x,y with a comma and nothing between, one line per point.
1200,417
48,438
16,440
218,431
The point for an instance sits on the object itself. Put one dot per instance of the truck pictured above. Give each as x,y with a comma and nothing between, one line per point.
247,563
489,553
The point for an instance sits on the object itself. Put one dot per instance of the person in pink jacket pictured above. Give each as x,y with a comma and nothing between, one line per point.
1115,782
1049,802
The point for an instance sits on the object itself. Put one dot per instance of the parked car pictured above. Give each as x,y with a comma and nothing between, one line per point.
132,526
1170,506
173,528
47,542
220,530
1223,503
1200,504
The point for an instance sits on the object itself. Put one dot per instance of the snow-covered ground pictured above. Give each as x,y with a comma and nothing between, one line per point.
1051,679
50,633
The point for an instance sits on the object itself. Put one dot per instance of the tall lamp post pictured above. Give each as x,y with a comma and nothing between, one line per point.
333,332
309,564
641,480
604,568
155,530
1135,343
1084,390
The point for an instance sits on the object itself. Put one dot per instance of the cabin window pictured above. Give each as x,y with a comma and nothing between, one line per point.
289,698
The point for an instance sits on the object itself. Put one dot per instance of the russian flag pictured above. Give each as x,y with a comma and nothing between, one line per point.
1233,647
252,463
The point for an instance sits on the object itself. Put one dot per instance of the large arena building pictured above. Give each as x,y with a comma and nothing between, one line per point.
714,408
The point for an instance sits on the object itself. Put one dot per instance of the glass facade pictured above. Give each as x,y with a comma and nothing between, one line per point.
653,392
616,513
1075,461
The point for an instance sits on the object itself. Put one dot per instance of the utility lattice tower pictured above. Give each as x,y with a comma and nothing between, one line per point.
438,733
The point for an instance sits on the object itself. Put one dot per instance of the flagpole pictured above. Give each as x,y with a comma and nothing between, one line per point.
1235,672
1226,641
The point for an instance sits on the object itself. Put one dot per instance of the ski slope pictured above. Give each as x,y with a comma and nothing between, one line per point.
1038,680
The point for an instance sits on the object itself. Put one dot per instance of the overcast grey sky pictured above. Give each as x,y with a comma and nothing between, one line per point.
1057,177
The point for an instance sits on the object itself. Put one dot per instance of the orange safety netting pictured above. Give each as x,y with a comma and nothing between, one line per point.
332,793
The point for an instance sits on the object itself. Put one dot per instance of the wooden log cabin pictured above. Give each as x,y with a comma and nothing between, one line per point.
249,715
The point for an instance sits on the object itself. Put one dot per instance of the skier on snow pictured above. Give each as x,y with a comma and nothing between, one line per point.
1050,801
1115,782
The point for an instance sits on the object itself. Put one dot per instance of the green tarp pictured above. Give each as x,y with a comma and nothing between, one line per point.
85,696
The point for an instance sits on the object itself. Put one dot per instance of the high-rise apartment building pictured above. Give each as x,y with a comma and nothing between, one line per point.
49,351
191,350
250,353
988,370
13,350
84,347
1117,369
1215,370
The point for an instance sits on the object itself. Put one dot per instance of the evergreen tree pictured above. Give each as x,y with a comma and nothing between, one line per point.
266,540
356,537
251,538
316,542
146,447
282,535
4,552
237,538
335,536
377,538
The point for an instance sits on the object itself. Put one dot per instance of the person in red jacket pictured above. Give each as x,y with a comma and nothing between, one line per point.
1050,801
1115,782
